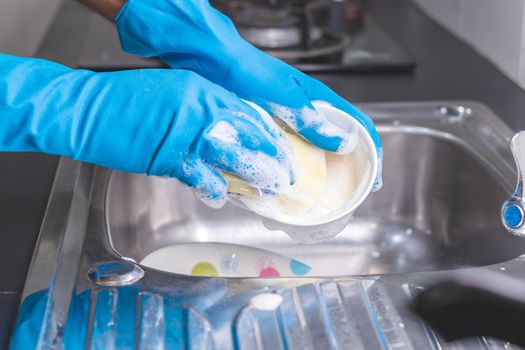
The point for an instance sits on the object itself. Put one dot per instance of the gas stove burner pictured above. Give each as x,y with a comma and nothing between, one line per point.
315,35
286,29
265,17
329,47
273,29
277,38
278,4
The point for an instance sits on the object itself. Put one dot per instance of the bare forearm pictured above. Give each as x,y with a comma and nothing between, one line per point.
107,8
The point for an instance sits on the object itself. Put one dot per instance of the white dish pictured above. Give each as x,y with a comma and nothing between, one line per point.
320,228
224,260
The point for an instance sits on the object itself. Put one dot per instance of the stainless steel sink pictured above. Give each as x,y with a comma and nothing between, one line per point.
438,209
448,168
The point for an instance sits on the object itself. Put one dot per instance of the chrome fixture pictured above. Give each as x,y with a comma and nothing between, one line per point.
115,273
513,210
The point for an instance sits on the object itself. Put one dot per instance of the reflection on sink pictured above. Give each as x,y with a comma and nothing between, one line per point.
438,209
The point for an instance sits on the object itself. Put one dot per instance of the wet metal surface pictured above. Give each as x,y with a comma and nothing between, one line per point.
448,168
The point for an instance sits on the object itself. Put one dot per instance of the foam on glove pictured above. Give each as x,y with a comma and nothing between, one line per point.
162,122
311,122
267,173
193,35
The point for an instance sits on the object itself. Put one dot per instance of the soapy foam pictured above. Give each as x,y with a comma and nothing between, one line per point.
255,167
346,180
214,203
287,158
350,139
270,124
207,180
224,132
312,118
262,172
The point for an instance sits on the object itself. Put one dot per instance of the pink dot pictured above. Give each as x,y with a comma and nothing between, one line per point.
269,272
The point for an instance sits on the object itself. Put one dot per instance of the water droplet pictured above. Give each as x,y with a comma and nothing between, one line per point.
396,122
428,232
376,254
503,268
409,231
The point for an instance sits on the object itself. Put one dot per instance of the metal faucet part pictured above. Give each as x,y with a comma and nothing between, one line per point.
513,209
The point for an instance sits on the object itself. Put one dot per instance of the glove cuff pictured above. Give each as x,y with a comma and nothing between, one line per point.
132,29
182,33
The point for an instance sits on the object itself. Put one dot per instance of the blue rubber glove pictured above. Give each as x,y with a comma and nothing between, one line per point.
29,321
193,35
161,122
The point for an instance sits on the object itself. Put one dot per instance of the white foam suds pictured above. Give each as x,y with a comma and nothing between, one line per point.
207,181
256,168
311,118
263,172
214,203
346,177
224,132
286,114
349,139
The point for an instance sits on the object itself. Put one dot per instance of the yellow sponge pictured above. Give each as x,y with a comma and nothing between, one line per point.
309,183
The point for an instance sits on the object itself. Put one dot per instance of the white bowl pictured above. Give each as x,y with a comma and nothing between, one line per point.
314,230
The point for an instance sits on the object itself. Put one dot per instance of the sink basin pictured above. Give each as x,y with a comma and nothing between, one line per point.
438,209
448,168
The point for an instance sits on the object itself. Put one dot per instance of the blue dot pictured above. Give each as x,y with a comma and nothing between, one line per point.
298,268
513,215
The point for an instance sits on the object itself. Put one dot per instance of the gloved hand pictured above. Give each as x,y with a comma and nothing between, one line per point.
193,35
161,122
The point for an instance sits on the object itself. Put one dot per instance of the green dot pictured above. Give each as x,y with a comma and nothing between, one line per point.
204,268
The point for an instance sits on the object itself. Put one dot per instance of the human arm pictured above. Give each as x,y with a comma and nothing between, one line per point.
160,122
107,8
193,35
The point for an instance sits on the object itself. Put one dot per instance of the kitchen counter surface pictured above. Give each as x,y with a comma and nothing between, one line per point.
447,69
